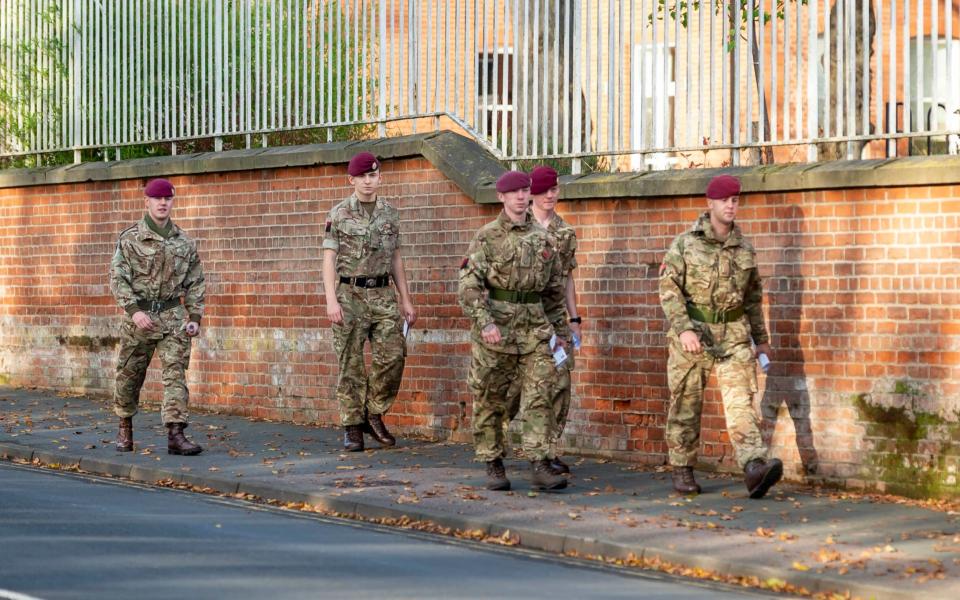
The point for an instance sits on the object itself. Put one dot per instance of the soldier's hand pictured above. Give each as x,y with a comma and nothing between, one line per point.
142,321
409,313
334,312
491,334
575,328
764,349
193,328
691,342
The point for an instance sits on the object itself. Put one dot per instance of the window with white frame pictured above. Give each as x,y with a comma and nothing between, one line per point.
653,78
495,71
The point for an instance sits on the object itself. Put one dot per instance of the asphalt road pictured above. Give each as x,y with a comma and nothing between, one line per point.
71,536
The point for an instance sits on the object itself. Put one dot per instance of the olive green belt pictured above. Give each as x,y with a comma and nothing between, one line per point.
157,306
708,315
514,296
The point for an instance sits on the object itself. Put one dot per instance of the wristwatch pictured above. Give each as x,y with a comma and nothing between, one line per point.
576,320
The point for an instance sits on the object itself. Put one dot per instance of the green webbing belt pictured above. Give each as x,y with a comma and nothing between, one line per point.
514,296
158,305
708,315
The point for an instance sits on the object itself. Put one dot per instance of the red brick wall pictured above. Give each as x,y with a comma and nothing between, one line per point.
861,291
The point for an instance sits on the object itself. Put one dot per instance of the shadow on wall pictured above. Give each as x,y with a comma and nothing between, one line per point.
786,383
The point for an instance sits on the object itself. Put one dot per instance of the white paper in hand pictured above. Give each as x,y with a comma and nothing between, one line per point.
559,354
406,327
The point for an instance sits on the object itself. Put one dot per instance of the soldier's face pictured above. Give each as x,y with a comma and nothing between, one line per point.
723,210
159,208
547,201
515,203
366,185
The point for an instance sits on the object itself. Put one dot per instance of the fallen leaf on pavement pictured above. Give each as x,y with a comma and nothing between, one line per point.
767,533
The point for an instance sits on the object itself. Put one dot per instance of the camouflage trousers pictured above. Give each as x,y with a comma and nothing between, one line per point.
137,347
559,401
687,376
490,379
368,314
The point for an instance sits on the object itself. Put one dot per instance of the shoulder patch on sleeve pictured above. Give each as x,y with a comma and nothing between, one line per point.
327,228
466,261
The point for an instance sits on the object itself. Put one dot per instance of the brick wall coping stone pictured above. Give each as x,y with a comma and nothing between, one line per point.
475,170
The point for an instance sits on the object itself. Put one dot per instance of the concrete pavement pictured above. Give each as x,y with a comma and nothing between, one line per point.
820,540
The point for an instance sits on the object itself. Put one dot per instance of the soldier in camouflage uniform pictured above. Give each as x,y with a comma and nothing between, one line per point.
545,191
154,266
711,293
511,287
361,253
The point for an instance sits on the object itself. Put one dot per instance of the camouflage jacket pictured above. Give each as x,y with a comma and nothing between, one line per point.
521,258
146,266
700,269
566,239
364,244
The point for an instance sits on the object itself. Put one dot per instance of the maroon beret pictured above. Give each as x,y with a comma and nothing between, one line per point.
159,188
542,179
511,181
361,163
723,186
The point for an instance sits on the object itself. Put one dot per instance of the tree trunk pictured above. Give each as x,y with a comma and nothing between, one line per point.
841,95
540,97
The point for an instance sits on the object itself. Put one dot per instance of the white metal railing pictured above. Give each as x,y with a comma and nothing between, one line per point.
641,83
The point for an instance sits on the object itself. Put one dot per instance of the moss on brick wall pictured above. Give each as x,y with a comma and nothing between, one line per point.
912,452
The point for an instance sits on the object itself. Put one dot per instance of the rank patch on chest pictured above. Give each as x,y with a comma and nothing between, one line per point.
547,254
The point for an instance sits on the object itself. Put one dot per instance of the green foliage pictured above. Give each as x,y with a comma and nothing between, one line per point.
683,10
348,95
30,76
563,166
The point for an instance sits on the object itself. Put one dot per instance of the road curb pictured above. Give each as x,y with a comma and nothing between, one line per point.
528,537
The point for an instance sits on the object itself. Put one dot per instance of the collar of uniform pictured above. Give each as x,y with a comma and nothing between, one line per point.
508,224
145,230
706,227
165,232
356,209
553,223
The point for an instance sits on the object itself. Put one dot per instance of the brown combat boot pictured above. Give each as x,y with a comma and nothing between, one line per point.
683,481
544,479
761,475
353,438
378,431
125,437
177,443
559,467
497,476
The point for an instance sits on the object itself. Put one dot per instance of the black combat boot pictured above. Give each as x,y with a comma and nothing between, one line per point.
543,478
353,438
177,443
683,481
125,437
559,467
761,475
378,431
497,476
